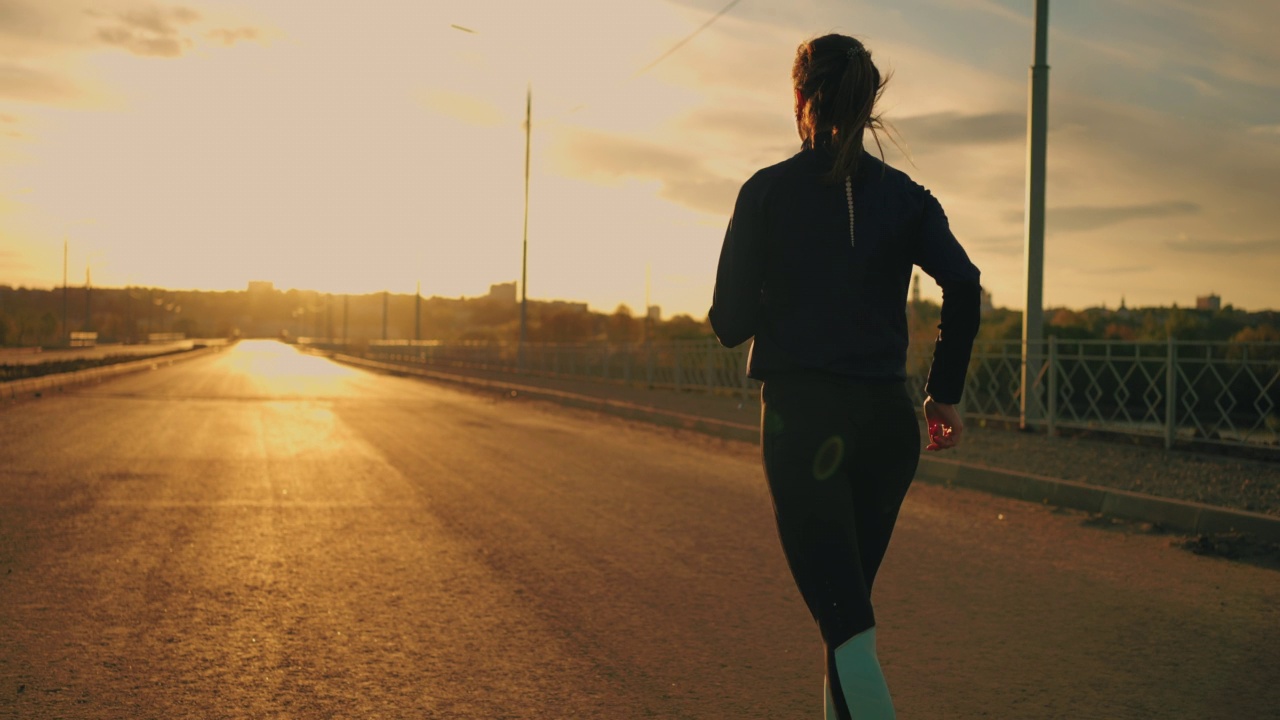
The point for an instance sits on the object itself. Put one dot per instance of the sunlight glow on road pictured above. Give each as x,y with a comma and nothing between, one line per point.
278,369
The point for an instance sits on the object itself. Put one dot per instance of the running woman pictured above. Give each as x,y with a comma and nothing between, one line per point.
815,267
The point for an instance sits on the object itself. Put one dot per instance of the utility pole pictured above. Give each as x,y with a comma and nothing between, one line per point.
648,272
88,304
66,330
524,255
1037,139
328,318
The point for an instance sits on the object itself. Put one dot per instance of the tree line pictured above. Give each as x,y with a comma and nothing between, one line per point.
35,317
30,317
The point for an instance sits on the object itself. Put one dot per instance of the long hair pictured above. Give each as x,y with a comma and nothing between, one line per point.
839,87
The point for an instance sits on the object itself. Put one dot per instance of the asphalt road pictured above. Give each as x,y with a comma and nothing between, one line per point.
263,534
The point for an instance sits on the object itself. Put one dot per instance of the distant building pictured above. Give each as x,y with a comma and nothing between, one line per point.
654,313
503,292
987,305
261,287
565,305
1209,302
915,289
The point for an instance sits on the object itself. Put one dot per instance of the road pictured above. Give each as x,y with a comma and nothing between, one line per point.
260,533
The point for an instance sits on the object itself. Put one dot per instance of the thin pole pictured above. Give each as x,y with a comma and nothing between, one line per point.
66,331
1037,139
524,254
386,300
417,313
648,272
328,318
346,312
88,299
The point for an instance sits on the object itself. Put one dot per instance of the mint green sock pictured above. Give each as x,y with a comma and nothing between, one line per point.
861,678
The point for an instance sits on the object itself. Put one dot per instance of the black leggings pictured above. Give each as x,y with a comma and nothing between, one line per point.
839,458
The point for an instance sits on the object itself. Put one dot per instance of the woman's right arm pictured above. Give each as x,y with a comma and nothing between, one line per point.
735,303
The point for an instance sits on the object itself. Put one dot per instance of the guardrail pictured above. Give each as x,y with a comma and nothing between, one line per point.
1214,393
35,386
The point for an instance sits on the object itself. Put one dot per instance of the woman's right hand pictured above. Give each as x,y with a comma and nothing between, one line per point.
945,425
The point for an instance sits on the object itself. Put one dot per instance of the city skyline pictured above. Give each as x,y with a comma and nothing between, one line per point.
508,291
204,144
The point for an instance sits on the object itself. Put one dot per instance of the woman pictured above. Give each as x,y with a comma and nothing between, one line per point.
815,267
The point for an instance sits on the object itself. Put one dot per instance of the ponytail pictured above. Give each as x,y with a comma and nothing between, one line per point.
839,87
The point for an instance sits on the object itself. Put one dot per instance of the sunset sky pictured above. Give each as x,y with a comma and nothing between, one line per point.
363,146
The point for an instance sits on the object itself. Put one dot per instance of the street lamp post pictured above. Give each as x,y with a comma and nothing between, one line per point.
524,251
524,245
1037,137
66,329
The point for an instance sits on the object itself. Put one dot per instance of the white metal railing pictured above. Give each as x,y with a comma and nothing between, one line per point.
1181,391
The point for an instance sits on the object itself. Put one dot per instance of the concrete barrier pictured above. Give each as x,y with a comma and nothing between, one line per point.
37,386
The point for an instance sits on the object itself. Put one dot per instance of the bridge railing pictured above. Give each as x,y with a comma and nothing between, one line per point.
1199,392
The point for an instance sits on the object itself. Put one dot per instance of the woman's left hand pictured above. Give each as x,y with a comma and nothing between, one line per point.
945,425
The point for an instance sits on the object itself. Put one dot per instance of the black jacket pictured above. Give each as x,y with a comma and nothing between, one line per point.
814,301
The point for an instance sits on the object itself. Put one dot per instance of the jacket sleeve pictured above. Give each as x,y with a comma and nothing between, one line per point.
939,254
735,303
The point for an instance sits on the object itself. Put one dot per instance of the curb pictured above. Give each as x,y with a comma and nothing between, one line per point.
1180,515
631,411
35,387
1177,515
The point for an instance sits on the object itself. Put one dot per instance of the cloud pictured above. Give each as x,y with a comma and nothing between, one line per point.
1079,218
749,128
1115,270
682,177
230,36
150,32
952,128
19,82
138,44
1264,246
11,260
44,45
40,30
463,107
1266,130
995,244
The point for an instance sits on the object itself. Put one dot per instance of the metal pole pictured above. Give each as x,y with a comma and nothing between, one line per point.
524,254
328,319
66,331
88,300
1170,385
1037,137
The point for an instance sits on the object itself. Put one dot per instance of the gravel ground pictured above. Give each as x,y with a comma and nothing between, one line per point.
1213,479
